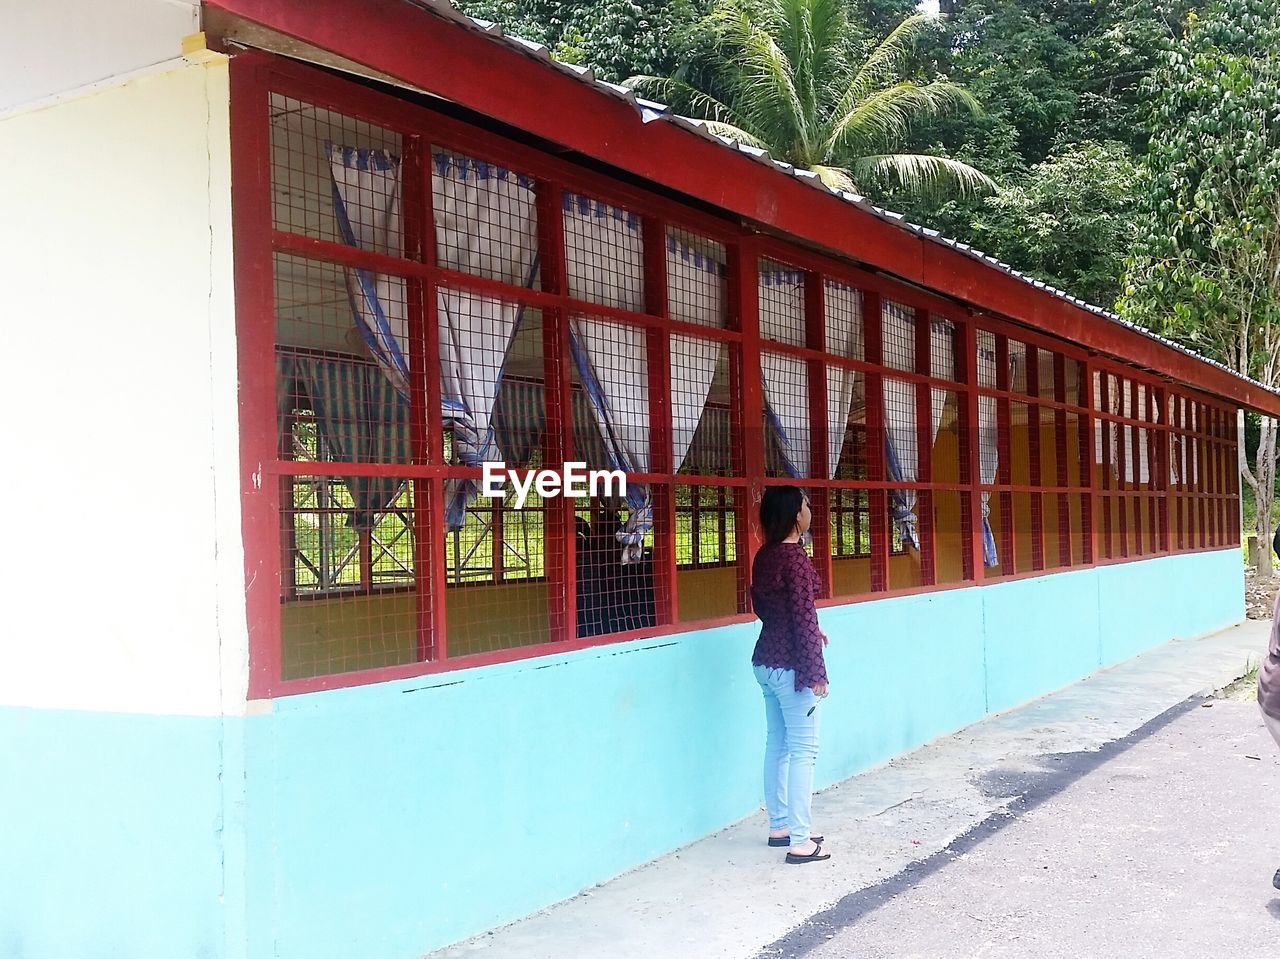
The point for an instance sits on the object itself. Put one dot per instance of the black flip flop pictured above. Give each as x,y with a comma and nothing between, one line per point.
786,840
816,856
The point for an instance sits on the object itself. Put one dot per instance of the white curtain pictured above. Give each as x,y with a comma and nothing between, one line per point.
366,205
1112,430
1141,413
1183,464
844,338
604,263
695,294
486,224
942,340
620,406
485,221
901,454
786,378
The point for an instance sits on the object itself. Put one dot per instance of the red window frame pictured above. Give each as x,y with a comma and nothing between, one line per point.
255,75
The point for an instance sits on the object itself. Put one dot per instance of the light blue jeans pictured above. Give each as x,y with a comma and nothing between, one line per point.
791,746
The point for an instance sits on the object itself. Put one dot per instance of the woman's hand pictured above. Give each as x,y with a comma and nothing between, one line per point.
826,640
821,689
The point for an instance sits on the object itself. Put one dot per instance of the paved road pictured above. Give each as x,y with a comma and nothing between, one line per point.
1161,846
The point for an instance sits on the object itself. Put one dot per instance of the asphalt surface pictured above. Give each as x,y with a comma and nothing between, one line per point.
1161,845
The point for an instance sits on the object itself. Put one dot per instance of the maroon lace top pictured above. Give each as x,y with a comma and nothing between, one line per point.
784,585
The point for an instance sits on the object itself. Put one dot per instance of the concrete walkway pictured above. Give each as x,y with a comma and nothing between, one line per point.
915,840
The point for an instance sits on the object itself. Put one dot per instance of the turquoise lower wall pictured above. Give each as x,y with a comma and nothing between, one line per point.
110,836
384,821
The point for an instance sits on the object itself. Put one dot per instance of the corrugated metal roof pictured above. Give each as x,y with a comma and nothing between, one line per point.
652,112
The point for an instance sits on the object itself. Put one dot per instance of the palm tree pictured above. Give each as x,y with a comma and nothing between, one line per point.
791,87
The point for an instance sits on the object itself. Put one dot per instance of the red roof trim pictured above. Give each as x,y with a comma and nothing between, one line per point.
461,63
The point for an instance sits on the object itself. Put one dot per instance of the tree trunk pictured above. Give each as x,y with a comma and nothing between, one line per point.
1265,472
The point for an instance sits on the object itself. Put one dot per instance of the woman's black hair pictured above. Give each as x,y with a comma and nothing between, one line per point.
779,508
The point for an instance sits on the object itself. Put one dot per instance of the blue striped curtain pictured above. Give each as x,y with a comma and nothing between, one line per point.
366,205
520,421
361,417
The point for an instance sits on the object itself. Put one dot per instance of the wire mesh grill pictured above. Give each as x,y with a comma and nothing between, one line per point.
986,359
355,590
943,346
847,438
952,548
312,148
947,465
604,253
347,602
1047,363
614,597
782,303
611,373
898,336
486,218
703,373
843,331
495,568
709,576
788,437
1018,369
697,285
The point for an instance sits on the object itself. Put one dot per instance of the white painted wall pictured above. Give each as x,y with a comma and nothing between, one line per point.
52,46
121,564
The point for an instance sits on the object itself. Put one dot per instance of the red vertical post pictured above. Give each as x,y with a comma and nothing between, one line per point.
559,543
1176,420
744,298
1233,478
1033,454
1089,500
251,206
1004,444
289,545
815,313
1219,445
1133,387
1161,477
660,452
1153,472
1122,467
967,367
1202,482
878,498
924,451
1060,445
426,427
1153,479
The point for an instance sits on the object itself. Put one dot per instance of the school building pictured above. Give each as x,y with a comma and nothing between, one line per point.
302,268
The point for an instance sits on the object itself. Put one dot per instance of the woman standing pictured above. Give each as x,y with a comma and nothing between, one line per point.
790,669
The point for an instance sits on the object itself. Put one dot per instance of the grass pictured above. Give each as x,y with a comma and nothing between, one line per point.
1245,688
1249,513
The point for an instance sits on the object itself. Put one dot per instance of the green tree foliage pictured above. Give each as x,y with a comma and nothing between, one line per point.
1058,78
786,76
1206,268
617,38
1068,221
